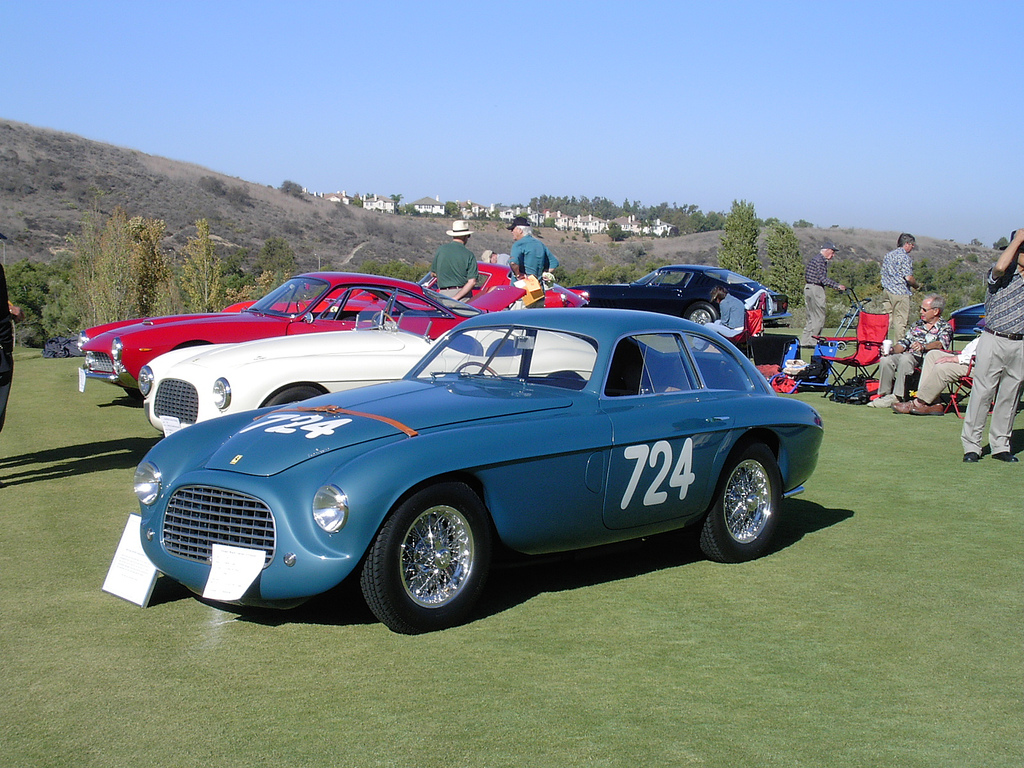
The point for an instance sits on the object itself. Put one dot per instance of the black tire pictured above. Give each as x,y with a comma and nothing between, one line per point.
745,514
428,564
293,394
700,312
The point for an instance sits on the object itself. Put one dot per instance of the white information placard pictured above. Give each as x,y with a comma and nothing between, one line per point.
131,575
171,424
233,571
81,379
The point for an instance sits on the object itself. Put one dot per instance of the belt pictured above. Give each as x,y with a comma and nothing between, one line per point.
1010,336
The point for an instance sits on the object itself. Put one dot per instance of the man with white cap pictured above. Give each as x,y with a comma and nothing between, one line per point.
454,264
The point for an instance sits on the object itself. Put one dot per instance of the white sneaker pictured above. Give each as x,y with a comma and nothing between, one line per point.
885,401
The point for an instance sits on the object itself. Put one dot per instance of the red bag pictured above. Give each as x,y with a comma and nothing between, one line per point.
784,384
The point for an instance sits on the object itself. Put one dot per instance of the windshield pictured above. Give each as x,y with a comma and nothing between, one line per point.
292,298
528,355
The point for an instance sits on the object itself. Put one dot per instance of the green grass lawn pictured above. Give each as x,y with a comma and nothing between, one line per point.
886,630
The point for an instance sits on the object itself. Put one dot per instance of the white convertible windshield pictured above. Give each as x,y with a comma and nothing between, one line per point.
532,355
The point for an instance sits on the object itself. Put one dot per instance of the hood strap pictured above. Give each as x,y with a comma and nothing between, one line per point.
335,410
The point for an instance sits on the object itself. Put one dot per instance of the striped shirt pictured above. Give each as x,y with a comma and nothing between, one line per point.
1004,306
817,272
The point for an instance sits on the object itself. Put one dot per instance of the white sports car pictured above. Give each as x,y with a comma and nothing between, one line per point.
186,386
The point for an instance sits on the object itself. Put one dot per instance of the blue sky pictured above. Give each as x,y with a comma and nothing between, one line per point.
889,116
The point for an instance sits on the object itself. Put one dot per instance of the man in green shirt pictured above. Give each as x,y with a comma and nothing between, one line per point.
454,264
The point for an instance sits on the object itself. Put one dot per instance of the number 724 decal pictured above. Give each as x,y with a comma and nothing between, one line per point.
659,457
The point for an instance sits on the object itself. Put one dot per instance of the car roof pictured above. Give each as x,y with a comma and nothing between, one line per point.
597,322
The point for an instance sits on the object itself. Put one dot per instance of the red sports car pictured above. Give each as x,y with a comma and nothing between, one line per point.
309,303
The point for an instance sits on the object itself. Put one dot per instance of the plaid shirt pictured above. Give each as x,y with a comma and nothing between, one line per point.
817,272
1004,307
896,268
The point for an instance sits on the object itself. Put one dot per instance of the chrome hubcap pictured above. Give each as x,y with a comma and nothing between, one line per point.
437,556
747,501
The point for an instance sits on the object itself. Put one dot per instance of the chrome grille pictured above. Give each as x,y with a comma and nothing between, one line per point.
199,516
99,362
177,398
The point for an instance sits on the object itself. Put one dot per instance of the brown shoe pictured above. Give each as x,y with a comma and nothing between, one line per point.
903,407
921,409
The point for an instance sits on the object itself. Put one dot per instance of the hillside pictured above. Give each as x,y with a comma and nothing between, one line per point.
49,179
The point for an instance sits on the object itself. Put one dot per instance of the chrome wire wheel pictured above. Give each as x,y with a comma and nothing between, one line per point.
748,501
741,523
436,556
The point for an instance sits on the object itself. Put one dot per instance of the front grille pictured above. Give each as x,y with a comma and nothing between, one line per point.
177,398
99,362
199,516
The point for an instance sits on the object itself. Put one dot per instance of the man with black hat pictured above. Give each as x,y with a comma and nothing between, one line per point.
816,277
454,264
529,256
999,364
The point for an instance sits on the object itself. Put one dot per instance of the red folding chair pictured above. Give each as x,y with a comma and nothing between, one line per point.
871,332
958,390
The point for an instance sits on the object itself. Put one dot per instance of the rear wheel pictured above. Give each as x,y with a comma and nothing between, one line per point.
293,394
743,519
700,312
428,564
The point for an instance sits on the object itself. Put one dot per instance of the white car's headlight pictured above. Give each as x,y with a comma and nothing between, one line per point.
330,508
147,483
146,380
221,393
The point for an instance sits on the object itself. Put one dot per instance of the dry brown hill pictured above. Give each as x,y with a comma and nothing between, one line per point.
49,179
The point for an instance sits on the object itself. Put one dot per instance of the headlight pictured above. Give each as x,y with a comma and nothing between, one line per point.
147,483
116,347
82,339
330,508
145,380
221,393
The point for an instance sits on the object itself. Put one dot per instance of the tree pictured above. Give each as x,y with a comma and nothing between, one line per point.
202,272
291,188
119,269
1001,244
785,267
277,258
616,232
739,242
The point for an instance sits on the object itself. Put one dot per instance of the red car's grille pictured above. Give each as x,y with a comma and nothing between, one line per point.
99,362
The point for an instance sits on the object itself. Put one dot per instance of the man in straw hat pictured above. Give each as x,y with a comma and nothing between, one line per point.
454,264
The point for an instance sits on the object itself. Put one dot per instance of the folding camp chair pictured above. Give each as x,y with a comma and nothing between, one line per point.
753,326
871,332
960,389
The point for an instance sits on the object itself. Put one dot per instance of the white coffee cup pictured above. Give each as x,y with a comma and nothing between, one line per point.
887,346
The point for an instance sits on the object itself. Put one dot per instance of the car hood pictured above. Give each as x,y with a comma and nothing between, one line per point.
232,356
279,438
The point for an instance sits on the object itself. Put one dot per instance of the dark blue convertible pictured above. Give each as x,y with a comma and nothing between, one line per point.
536,431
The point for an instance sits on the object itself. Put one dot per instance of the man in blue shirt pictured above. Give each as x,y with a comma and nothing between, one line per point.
529,256
897,281
732,313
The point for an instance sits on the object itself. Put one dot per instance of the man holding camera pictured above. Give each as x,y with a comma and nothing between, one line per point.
999,365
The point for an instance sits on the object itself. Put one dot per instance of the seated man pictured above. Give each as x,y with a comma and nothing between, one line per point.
731,312
929,332
940,368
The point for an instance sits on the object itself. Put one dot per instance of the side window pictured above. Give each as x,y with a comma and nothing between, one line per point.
648,364
718,367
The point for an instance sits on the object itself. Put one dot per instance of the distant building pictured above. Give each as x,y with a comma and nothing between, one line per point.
377,203
429,206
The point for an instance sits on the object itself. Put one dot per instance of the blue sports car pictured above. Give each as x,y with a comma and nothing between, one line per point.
525,432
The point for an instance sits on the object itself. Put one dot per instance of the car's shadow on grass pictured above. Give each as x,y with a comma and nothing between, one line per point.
514,581
71,460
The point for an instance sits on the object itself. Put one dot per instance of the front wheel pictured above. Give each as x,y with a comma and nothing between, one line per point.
428,564
743,519
700,312
293,394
